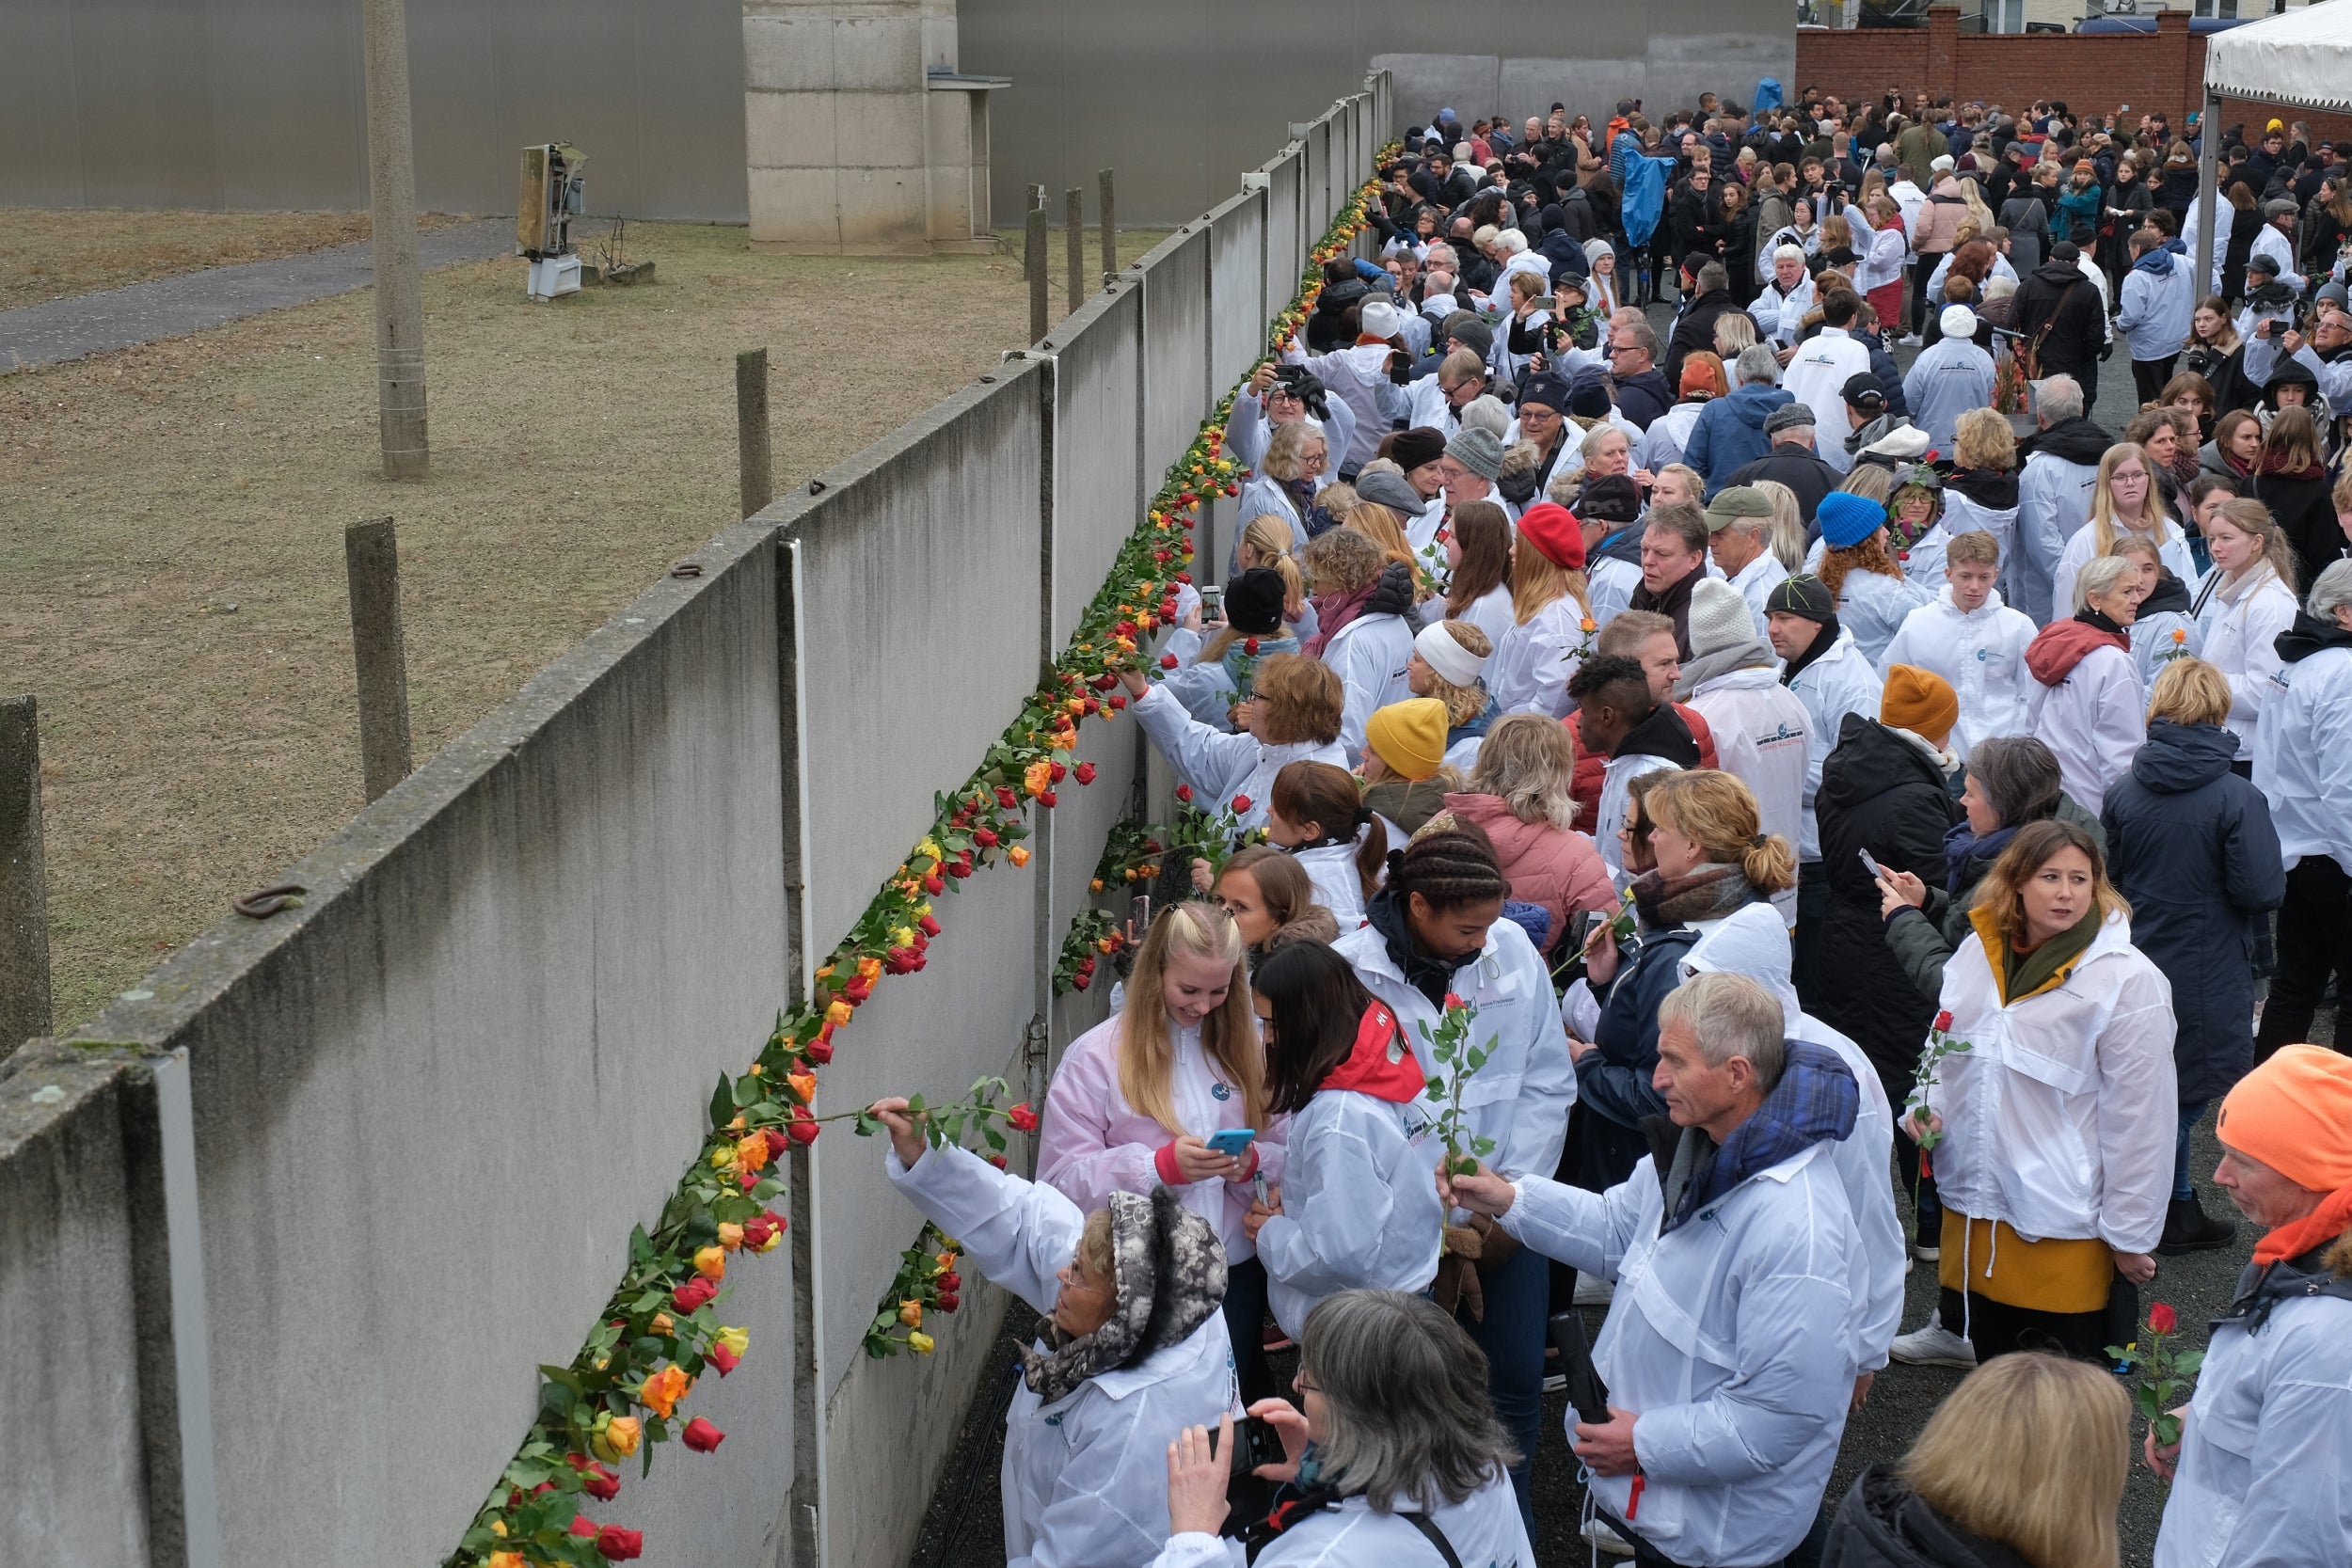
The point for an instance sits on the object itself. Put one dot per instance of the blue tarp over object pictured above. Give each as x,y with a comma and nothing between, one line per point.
1645,197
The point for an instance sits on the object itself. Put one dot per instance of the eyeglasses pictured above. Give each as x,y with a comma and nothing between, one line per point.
1300,1382
1615,349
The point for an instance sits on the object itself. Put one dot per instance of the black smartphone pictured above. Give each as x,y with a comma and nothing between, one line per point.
1255,1442
1586,1392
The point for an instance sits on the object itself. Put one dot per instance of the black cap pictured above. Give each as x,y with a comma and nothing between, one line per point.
1610,498
1808,597
1547,389
1862,390
1253,602
1588,394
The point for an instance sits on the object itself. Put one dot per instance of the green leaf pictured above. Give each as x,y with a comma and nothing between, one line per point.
723,1102
2187,1363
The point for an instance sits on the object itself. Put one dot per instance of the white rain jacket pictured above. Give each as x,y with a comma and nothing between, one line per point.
1218,765
1529,668
1520,1098
1981,653
1964,516
1616,774
2172,551
2058,1117
1085,1477
1612,583
1763,738
1872,606
2053,503
2267,1445
1924,562
2303,765
2093,721
1841,681
1750,942
1490,613
1370,655
1247,432
1817,376
1951,376
1756,582
1358,377
1331,869
1778,316
2241,626
1484,1529
1359,1206
1731,1340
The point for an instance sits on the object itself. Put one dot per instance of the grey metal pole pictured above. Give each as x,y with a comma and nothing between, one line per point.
24,1000
392,204
2208,159
1111,226
372,561
755,460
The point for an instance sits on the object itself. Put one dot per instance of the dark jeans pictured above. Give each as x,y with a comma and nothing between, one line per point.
1921,270
2149,375
2314,942
1244,1320
1812,909
1517,1297
2184,1187
1909,1178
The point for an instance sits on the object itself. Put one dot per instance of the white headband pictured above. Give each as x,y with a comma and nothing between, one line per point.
1455,664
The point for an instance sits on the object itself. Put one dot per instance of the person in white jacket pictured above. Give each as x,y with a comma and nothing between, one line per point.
2053,1131
2053,494
1265,403
1762,733
2123,502
1135,1347
1364,630
1391,1459
2242,605
1973,641
1818,373
1293,715
1874,597
1435,935
2086,704
1740,546
1319,821
1551,615
1788,294
2303,767
1358,379
1951,376
1729,1352
2272,1413
1357,1205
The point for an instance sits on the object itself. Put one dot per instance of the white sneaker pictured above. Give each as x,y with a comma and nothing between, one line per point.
1592,1290
1909,340
1934,1346
1924,1254
1598,1533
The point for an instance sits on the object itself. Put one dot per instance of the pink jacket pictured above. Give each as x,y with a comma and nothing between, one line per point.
1091,1144
1560,870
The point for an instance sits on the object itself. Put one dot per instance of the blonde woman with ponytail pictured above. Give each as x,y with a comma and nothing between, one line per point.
1268,542
1138,1098
2242,605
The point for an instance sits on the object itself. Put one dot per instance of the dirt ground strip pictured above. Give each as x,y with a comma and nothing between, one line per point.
171,574
48,254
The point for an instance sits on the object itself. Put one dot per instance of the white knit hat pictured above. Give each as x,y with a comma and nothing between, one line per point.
1958,320
1719,618
1454,663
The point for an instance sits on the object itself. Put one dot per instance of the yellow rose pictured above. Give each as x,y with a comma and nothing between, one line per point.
615,1439
738,1340
920,1342
929,847
838,1014
663,1390
711,1263
902,936
730,1236
910,1313
722,1159
664,1324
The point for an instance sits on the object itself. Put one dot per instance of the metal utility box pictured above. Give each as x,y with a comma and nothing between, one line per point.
553,192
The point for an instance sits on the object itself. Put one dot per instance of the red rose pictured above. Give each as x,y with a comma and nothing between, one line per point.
723,1358
583,1526
1184,576
693,1294
701,1437
984,837
1117,702
958,869
616,1544
1048,799
1453,1001
801,1131
1023,1118
1241,804
927,926
2162,1319
1079,982
951,1281
759,1232
1093,707
1085,772
1057,772
1943,1020
996,1160
1184,793
949,1301
1249,646
776,1145
1007,799
1103,683
1168,661
821,1049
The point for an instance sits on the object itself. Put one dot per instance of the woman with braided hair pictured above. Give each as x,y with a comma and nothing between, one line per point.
1435,933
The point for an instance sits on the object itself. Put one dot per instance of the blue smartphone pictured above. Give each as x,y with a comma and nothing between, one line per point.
1234,1141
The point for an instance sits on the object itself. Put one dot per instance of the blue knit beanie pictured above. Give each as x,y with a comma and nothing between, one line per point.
1847,518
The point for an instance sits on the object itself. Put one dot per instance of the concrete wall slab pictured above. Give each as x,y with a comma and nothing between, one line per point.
1175,346
1236,288
1099,483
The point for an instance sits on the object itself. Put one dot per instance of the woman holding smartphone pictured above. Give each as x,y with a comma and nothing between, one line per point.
1174,1092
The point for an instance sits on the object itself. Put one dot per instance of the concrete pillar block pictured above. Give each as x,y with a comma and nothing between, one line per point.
878,54
881,210
879,130
791,130
788,54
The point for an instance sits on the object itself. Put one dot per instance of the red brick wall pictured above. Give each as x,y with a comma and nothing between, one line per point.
2092,73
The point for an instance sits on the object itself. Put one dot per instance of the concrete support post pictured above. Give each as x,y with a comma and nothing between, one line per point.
1110,227
25,1001
756,463
1075,243
371,560
392,210
1038,292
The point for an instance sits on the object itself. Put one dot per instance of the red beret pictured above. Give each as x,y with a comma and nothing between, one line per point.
1553,529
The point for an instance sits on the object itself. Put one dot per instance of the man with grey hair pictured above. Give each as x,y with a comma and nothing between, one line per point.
2303,767
2054,489
1792,461
1641,391
1735,1236
1779,309
1731,432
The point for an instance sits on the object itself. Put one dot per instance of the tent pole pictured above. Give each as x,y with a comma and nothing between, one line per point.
2208,154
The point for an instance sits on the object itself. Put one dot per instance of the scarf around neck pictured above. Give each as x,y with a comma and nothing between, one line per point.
1169,1267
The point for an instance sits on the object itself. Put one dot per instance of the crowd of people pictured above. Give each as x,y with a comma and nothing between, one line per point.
1853,836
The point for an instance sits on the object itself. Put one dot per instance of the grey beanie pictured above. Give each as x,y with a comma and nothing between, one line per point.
1789,416
1479,452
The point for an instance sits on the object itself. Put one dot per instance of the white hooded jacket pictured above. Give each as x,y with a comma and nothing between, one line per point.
1520,1098
2172,550
1370,655
2053,503
1330,868
1841,681
1763,738
1483,1528
1085,1477
1359,1206
1872,606
2058,1118
2241,624
1218,765
2092,722
2303,764
1981,653
1532,664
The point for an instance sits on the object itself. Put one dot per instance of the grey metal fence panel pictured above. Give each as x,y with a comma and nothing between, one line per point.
1175,346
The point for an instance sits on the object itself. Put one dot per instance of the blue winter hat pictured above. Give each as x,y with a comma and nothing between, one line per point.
1848,519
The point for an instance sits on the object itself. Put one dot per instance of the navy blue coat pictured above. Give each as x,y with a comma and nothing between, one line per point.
2191,846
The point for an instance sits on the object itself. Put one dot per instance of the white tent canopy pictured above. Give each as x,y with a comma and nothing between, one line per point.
2300,58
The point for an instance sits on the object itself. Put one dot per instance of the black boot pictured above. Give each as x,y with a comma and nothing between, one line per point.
2188,1228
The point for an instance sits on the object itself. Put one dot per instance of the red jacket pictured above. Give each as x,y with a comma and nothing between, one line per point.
1589,763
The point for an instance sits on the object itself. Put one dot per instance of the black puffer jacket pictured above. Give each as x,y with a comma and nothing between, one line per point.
2190,843
1880,792
2058,309
1884,1524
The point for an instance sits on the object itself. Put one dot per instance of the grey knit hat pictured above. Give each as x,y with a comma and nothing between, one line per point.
1479,452
1789,416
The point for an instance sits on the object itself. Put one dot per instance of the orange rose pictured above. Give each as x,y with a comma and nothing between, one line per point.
617,1438
751,1153
711,1263
665,1388
730,1236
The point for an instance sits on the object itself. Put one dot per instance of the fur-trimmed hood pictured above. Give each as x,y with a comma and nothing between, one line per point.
1170,1269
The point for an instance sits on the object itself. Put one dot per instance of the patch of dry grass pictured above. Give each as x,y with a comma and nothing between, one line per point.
191,751
47,255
